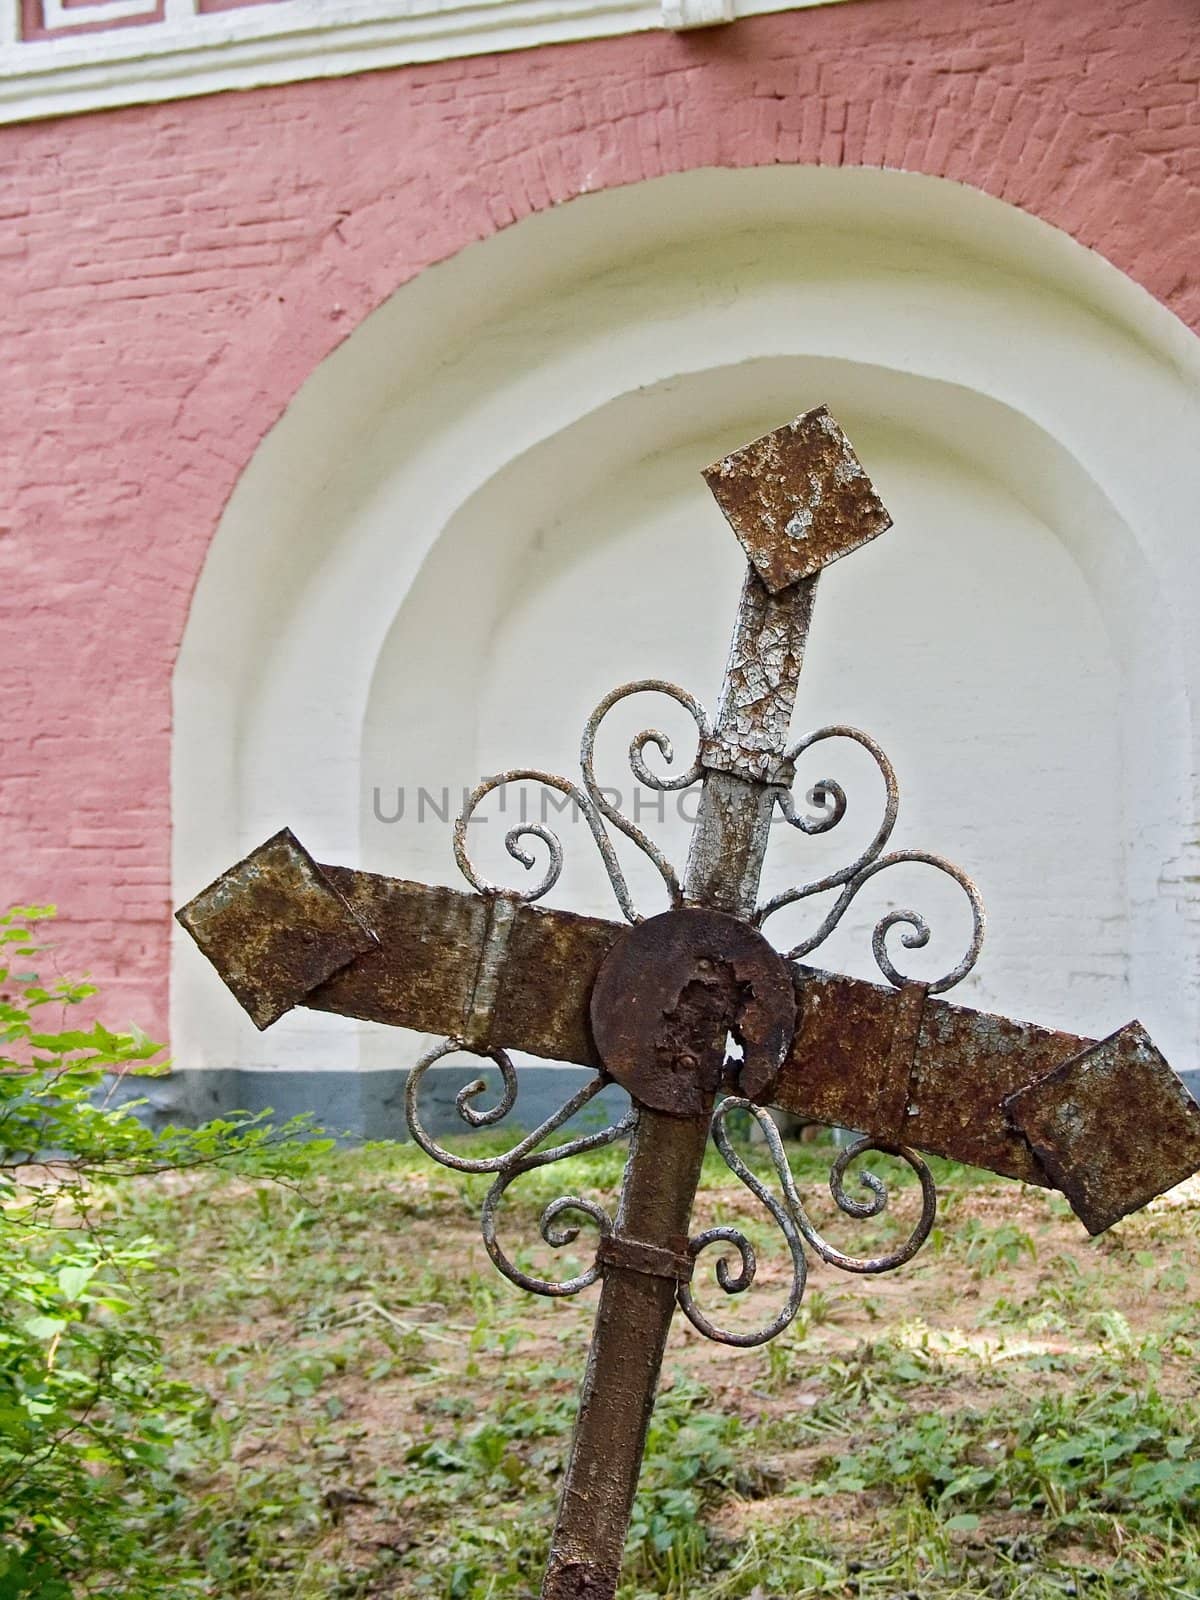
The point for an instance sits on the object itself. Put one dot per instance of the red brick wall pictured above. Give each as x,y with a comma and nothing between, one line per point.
169,275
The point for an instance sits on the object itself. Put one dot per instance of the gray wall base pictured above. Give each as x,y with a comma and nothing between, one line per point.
356,1104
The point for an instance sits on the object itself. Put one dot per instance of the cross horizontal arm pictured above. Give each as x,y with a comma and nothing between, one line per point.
408,954
916,1070
1026,1102
432,945
1106,1122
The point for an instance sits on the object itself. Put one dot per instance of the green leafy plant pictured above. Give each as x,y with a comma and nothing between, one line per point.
93,1430
996,1248
690,1461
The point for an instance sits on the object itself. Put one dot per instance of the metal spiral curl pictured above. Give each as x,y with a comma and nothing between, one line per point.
643,773
552,1234
538,830
851,878
738,1284
795,1223
593,804
524,1156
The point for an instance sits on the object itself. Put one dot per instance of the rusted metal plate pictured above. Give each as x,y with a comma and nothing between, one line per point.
918,1071
1110,1124
552,961
275,928
429,943
1113,1127
851,1056
797,499
672,991
966,1063
427,972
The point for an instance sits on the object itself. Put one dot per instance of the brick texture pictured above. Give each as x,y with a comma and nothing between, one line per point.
169,276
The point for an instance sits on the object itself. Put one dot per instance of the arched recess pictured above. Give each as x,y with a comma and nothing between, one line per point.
484,510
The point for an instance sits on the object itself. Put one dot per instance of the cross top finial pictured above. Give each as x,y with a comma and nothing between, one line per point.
798,499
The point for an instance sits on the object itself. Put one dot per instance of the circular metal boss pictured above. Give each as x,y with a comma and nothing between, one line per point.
670,994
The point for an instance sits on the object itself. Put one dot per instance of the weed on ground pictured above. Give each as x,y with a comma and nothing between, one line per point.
1013,1414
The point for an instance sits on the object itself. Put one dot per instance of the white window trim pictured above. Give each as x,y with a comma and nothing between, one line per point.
189,54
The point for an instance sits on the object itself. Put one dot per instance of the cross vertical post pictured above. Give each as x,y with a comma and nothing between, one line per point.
634,1317
652,1006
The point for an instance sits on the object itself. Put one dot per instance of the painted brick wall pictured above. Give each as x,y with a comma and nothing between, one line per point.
169,275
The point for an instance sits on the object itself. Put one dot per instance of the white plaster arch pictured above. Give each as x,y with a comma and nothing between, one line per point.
485,453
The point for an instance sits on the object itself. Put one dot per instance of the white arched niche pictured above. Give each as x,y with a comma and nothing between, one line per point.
485,510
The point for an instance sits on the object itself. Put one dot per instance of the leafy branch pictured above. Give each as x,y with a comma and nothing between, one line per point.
90,1421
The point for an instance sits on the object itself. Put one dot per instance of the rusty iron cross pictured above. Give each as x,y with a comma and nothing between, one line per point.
654,1005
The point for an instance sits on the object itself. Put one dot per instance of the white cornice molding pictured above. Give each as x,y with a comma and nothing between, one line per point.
190,54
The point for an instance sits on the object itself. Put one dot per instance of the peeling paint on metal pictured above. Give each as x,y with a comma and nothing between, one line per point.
1113,1127
798,499
275,928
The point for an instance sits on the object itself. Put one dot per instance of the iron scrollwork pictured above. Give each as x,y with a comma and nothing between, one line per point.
593,804
786,1208
524,1156
795,1224
596,808
849,879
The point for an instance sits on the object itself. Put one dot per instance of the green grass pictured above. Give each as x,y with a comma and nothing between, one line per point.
1014,1414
